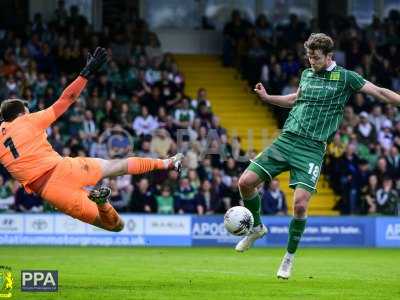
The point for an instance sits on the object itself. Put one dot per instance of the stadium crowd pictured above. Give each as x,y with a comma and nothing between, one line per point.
137,106
362,161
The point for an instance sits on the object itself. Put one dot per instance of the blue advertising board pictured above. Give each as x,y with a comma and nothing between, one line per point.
388,232
187,230
320,232
324,232
57,229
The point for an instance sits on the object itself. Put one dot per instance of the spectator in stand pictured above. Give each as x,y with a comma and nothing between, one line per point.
184,116
349,180
25,202
382,170
377,118
360,104
89,126
167,88
6,195
335,151
368,195
144,124
385,136
165,201
273,199
349,117
230,192
387,198
234,31
142,200
292,86
366,132
145,149
185,199
161,143
209,198
201,98
116,198
393,162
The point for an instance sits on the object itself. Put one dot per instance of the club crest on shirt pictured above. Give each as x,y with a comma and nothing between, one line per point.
334,76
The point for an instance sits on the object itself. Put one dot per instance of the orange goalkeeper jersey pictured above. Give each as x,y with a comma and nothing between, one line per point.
24,149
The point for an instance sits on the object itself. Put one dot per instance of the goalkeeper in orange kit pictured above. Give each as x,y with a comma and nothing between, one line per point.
30,159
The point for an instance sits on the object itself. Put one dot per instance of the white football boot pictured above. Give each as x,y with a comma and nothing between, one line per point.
285,269
255,234
175,162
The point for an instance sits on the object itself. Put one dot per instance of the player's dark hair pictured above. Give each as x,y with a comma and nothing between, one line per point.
11,108
319,41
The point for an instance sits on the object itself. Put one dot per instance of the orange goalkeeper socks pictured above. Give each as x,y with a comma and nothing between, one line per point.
139,165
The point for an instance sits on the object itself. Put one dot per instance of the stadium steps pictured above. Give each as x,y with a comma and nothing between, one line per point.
239,111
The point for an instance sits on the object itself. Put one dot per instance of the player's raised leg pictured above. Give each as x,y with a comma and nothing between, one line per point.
75,202
138,165
296,229
107,217
248,183
265,166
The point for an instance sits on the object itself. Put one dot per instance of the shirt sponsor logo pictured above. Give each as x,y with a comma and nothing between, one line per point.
334,76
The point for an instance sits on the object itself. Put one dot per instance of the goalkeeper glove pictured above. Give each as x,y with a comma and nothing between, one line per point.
94,62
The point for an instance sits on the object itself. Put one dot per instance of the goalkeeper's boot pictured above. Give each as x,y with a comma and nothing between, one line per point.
285,269
255,234
100,195
175,162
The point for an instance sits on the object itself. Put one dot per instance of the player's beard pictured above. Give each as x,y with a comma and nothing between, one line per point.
318,68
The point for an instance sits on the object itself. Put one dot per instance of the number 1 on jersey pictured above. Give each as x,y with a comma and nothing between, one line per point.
9,143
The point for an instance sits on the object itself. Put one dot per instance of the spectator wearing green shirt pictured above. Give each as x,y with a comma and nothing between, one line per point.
6,195
165,201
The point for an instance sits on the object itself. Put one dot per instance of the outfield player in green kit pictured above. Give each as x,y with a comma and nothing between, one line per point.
317,111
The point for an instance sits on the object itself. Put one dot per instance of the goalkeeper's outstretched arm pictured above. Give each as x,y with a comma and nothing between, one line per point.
71,93
282,101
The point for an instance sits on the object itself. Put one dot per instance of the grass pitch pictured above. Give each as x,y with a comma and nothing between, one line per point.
207,273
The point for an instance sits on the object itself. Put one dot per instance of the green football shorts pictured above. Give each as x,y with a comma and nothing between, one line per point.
290,152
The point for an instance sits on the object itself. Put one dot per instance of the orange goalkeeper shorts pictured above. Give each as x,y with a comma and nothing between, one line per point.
65,187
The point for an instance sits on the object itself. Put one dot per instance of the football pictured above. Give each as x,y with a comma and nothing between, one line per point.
238,220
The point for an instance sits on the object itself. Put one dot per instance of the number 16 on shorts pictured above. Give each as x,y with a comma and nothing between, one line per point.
313,170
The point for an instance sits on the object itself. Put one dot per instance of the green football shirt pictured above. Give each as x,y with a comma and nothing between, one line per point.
318,111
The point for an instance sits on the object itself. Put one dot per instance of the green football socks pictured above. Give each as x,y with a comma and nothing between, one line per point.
296,229
253,204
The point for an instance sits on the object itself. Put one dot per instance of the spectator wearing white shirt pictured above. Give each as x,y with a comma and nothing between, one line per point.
385,135
145,124
201,98
377,118
153,74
